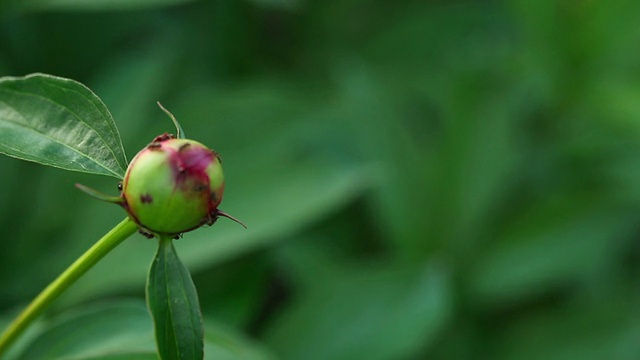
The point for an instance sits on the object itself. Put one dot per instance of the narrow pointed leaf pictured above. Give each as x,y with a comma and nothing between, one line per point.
173,302
179,132
100,196
59,122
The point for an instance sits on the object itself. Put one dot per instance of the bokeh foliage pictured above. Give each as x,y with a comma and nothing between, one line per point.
421,179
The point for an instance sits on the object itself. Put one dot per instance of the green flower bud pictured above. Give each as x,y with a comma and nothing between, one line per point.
173,186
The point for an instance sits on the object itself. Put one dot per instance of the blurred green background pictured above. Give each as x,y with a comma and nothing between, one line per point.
421,179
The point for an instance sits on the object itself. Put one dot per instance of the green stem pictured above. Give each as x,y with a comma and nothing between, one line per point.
85,262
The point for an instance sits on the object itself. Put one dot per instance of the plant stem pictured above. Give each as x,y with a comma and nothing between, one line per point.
85,262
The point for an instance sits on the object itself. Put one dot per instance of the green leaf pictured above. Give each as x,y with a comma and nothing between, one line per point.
365,312
173,302
120,330
107,331
606,329
558,241
59,122
223,342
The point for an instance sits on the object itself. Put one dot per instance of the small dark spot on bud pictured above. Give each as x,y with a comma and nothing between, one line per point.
214,197
178,236
184,146
120,185
146,198
163,137
154,146
200,187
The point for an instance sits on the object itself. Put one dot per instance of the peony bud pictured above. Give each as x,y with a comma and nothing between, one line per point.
173,186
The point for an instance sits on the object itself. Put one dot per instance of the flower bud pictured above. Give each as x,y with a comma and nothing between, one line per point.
173,186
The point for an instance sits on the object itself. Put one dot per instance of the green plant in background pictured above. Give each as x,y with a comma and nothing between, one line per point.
172,186
423,179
